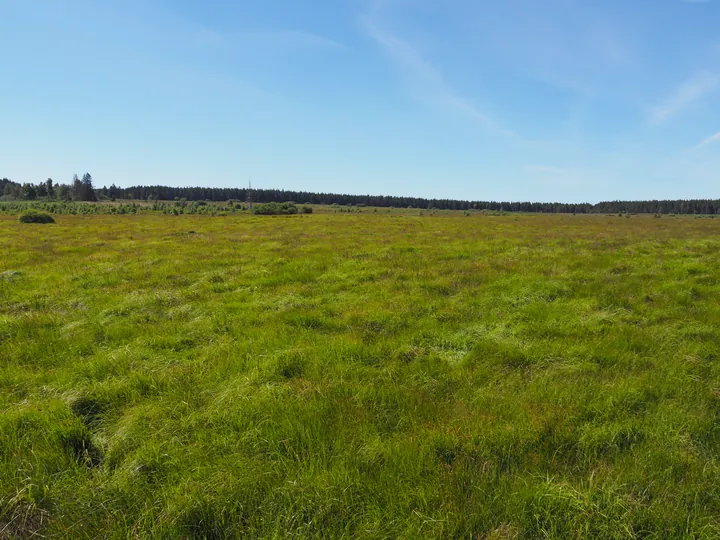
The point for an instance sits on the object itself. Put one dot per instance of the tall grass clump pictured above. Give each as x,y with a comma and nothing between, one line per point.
35,216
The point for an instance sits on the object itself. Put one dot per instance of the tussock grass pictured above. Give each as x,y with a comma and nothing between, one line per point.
360,375
34,216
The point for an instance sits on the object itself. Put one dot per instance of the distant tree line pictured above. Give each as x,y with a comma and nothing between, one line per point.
83,190
77,190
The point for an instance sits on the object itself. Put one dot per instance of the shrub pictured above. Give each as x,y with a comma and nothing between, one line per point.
307,210
274,209
33,216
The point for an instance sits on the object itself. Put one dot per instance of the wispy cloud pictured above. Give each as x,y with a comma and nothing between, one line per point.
692,90
427,80
711,139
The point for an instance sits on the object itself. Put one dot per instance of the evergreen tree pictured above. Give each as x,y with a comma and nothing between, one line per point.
63,192
76,190
29,192
88,193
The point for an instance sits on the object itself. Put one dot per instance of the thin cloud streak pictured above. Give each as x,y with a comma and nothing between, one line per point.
428,80
709,140
700,85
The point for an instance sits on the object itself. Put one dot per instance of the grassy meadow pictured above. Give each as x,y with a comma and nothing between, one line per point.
360,376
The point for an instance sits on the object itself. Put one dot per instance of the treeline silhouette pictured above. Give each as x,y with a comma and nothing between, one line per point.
83,190
166,193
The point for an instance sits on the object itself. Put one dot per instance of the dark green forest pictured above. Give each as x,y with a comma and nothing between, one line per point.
82,189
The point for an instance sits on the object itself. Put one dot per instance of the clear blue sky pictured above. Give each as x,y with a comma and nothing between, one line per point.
563,100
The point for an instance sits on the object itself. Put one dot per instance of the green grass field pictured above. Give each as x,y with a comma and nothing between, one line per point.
360,376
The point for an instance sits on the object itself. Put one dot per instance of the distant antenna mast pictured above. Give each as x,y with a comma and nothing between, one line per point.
249,193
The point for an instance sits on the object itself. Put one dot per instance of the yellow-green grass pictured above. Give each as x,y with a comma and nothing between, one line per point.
360,376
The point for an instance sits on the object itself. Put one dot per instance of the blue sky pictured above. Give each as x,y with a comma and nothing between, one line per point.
554,100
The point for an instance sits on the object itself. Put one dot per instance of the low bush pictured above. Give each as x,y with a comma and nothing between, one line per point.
34,216
274,209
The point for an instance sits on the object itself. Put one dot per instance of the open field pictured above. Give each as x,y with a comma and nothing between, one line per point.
371,376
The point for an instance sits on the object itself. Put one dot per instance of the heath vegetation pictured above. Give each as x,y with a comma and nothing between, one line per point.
363,375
